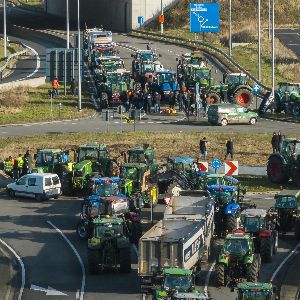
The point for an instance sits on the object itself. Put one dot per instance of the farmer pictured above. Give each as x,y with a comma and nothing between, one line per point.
274,142
203,149
229,148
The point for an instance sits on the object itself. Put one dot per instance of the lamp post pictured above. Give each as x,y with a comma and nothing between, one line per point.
4,28
269,19
259,44
162,13
273,48
79,57
68,23
230,29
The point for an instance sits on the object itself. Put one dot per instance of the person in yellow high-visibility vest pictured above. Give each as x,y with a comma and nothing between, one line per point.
8,166
20,165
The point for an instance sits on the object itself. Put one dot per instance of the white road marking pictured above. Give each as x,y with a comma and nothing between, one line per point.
208,277
49,291
74,123
77,294
150,122
284,261
293,44
77,255
135,250
22,268
4,132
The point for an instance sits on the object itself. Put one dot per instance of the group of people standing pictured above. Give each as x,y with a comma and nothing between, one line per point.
203,148
276,141
19,166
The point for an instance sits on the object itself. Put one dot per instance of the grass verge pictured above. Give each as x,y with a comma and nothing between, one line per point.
36,106
257,183
36,4
11,49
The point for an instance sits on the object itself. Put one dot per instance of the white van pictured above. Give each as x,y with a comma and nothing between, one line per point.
40,186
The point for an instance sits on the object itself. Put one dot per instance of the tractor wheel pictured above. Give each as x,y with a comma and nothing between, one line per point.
136,232
230,223
296,177
297,230
253,270
243,97
213,98
276,170
125,260
11,193
82,230
66,184
296,109
104,100
220,275
266,249
93,261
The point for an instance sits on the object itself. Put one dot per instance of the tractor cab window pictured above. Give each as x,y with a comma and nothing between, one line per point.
255,295
286,202
88,154
103,153
106,189
177,282
254,224
45,158
146,56
291,148
136,157
195,60
202,74
128,173
108,230
215,181
147,67
236,246
235,79
165,78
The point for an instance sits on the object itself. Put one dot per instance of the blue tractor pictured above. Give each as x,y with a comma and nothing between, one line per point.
166,83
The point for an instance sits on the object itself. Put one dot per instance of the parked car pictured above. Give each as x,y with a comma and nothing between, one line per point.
41,186
225,113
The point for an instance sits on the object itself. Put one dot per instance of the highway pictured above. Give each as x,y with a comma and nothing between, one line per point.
290,37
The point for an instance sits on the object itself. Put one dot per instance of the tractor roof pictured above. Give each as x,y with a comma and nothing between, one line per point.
288,193
238,235
108,220
292,140
237,74
254,212
177,271
290,83
108,180
254,286
94,145
215,175
134,165
165,72
50,150
181,159
224,188
141,149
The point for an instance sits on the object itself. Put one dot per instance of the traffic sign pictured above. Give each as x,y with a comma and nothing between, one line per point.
205,17
256,89
231,168
161,18
202,166
140,20
216,164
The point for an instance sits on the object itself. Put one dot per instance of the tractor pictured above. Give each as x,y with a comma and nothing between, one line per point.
286,211
107,65
261,226
51,161
256,290
165,83
285,164
108,246
237,260
177,284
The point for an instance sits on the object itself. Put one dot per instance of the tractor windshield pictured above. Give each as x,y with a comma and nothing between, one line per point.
88,153
93,209
254,295
235,79
106,52
107,229
46,158
128,172
113,79
178,282
238,246
104,189
195,61
202,74
254,224
146,56
111,67
291,148
135,157
215,181
147,68
286,202
165,77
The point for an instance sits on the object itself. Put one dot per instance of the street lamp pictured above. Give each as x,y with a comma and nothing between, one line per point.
162,13
259,44
4,28
79,57
269,19
273,48
68,23
230,29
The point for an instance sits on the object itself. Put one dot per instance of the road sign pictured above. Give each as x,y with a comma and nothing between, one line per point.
216,164
62,63
256,89
231,168
202,166
161,18
140,20
204,17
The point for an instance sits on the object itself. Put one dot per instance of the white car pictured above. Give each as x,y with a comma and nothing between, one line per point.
41,186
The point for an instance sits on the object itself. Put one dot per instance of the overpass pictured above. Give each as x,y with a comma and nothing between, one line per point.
117,15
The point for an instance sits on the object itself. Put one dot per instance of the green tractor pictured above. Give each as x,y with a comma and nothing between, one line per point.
51,161
237,260
285,164
256,290
108,246
177,284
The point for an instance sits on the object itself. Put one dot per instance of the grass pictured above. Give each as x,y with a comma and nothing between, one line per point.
257,183
36,106
250,149
37,4
11,48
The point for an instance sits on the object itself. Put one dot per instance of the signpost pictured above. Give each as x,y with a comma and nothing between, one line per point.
255,91
202,166
231,168
216,164
140,21
204,17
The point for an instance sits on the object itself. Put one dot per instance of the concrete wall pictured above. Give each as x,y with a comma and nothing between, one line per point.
116,15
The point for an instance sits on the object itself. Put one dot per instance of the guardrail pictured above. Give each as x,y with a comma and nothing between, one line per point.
224,55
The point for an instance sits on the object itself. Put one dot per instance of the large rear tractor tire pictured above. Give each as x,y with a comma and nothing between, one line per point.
297,230
276,170
66,184
266,249
125,260
93,261
220,275
253,270
296,176
136,232
82,230
243,97
213,98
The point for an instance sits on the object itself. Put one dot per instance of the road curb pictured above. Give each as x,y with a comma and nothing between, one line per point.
280,120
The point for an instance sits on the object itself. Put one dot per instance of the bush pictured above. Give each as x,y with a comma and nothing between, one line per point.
13,98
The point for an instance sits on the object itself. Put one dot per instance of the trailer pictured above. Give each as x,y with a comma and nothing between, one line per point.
181,240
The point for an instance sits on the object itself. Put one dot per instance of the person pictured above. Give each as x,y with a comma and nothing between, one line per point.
73,87
203,148
27,163
180,99
280,138
204,105
274,142
148,46
148,97
229,148
125,100
55,86
20,162
8,166
157,99
172,100
15,170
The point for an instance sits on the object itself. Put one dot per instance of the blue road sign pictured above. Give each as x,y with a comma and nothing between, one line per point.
256,89
204,17
216,163
140,20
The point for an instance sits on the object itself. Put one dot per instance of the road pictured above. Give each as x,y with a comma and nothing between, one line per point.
290,38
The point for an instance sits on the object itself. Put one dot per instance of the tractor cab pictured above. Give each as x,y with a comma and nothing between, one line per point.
141,155
92,151
254,220
181,163
287,199
256,291
291,148
235,79
106,187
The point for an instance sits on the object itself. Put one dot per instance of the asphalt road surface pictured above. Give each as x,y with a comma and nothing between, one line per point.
290,38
